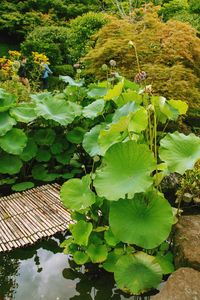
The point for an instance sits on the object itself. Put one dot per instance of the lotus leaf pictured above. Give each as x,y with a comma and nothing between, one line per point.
180,151
129,96
94,109
80,258
138,121
10,164
110,238
29,151
63,158
112,258
24,112
137,272
14,141
125,170
166,262
181,106
75,136
59,111
76,193
115,92
45,136
145,220
71,81
90,141
22,186
43,155
6,123
124,111
112,135
97,253
97,92
40,173
81,232
164,110
6,100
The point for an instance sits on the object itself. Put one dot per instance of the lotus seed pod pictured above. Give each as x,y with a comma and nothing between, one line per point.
112,62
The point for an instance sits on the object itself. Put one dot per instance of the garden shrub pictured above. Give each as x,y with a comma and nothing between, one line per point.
81,29
13,86
63,70
172,47
51,40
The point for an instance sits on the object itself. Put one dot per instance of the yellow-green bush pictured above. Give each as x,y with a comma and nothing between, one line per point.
168,52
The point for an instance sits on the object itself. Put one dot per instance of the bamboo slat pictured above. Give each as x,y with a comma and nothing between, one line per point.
31,215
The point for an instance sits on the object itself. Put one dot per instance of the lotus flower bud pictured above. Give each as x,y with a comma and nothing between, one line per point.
104,67
130,44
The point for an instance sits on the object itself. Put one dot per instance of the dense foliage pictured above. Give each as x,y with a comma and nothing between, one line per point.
122,217
20,17
168,52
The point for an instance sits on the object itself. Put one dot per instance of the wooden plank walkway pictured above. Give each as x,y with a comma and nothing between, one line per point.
31,215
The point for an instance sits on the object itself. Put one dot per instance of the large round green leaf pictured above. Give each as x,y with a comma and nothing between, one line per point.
22,186
10,164
97,253
45,136
39,172
24,112
59,111
81,232
14,141
6,100
29,151
94,109
137,272
76,193
75,136
180,151
6,123
145,220
125,170
90,141
43,155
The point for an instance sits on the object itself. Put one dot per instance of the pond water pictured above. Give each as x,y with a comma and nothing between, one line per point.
43,272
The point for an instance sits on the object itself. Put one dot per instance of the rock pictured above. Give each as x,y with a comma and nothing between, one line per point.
184,284
187,242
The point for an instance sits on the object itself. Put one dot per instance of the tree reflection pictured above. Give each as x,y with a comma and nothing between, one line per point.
8,270
96,285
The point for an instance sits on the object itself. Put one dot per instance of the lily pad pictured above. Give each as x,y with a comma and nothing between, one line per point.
145,220
180,151
137,272
125,170
14,141
6,123
76,194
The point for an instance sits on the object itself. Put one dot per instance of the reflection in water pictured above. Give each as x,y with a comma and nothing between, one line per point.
43,272
8,271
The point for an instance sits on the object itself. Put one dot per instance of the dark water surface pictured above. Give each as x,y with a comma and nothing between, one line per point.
43,272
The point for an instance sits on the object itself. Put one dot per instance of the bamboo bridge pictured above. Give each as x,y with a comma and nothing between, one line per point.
31,215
